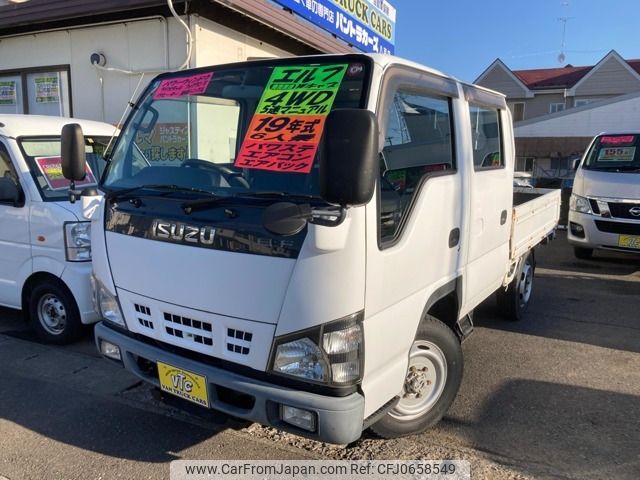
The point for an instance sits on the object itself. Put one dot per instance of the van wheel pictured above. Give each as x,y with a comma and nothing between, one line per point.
513,301
53,313
432,381
583,253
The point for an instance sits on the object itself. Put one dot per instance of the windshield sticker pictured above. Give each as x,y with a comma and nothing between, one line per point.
620,154
51,168
285,131
617,140
178,87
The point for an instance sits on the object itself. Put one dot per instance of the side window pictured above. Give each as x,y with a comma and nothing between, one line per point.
8,174
486,135
418,143
6,167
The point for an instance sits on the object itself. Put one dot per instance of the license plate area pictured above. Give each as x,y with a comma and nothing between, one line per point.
184,384
629,241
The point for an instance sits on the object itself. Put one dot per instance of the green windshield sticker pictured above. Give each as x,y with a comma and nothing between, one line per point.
617,154
286,128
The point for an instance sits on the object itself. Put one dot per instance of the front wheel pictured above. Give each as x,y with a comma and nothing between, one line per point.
54,314
514,301
432,381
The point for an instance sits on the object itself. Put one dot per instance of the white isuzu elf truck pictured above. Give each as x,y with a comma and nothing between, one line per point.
301,242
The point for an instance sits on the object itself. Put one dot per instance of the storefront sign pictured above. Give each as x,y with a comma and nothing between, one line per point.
8,92
369,25
287,126
51,168
47,89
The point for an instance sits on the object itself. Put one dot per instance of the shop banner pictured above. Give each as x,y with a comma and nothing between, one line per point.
47,89
360,22
286,128
51,168
8,92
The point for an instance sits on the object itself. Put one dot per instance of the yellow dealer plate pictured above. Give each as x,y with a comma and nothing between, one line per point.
629,241
184,384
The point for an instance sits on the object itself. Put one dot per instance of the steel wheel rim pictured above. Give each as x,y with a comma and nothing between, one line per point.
422,388
526,284
52,314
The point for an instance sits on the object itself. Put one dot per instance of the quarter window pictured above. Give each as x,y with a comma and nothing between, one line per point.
486,138
418,143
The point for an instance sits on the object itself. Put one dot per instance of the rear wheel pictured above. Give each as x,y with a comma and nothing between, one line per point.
514,301
433,377
53,313
583,253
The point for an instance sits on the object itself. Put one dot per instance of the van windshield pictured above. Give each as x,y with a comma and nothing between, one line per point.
235,129
615,153
43,157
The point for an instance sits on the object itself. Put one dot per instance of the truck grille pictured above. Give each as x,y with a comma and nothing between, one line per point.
238,341
188,329
619,228
143,315
623,210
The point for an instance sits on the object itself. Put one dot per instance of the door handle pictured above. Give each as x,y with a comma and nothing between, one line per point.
454,237
503,217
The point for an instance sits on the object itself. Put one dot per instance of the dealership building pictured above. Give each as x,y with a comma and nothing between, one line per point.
88,58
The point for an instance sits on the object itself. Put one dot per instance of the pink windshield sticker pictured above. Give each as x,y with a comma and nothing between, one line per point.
178,87
617,140
51,168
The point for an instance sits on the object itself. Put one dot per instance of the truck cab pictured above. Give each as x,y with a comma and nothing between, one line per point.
605,202
301,242
45,254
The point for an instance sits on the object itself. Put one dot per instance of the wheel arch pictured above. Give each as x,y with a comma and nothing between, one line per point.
444,304
33,280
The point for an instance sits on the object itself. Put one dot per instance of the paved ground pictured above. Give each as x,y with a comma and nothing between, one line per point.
554,396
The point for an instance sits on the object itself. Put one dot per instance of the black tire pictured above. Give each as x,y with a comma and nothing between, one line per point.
400,421
53,313
514,301
583,253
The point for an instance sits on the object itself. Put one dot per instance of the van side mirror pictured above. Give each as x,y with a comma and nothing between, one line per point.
9,191
576,163
72,152
349,164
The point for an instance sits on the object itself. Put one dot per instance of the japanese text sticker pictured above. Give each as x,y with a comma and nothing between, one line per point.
51,168
286,128
177,87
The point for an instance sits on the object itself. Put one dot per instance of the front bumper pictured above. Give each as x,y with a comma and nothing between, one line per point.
594,237
339,419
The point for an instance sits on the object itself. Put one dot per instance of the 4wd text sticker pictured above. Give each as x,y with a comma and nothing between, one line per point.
285,131
51,168
177,87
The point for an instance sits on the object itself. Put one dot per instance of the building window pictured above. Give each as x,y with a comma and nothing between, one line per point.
524,164
486,138
39,91
418,144
517,111
556,107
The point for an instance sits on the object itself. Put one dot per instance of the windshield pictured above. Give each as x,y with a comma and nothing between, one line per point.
616,153
229,130
43,157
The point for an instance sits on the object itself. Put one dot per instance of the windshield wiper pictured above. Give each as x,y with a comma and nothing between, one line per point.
203,203
114,195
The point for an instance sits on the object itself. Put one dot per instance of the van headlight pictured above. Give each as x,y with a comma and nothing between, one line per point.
107,304
332,353
77,241
580,204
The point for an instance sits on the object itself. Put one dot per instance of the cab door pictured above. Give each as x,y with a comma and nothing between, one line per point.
15,245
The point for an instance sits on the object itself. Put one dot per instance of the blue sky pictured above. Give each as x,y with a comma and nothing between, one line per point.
463,37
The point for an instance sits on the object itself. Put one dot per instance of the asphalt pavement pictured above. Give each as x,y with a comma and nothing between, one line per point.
556,395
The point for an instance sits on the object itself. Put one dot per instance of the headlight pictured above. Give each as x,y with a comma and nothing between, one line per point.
107,304
579,204
77,240
330,354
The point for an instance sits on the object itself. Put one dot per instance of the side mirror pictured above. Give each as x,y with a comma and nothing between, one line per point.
9,191
349,166
576,163
72,152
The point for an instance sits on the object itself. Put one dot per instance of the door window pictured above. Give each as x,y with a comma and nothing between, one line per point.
7,171
486,138
418,143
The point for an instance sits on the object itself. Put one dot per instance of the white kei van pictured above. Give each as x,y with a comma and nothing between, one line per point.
45,253
605,202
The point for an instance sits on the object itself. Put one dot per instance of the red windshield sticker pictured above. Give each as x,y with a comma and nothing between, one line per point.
51,168
286,128
178,87
617,140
